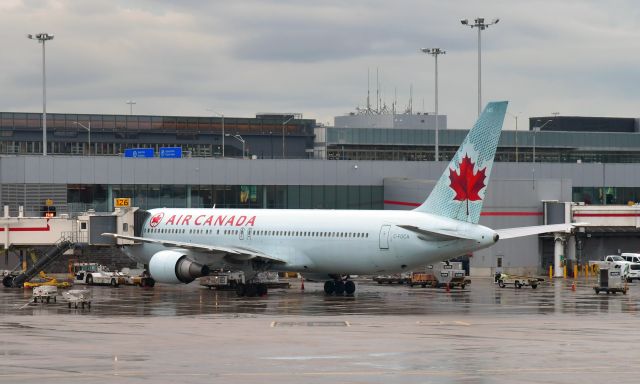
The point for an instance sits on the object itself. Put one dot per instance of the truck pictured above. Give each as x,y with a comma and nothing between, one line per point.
423,279
96,274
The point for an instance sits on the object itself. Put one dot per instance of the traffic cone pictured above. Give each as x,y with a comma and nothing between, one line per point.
302,284
573,286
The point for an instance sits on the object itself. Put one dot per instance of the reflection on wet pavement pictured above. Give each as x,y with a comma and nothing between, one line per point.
383,334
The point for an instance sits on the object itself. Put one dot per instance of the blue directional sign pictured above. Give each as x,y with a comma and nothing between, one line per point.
138,152
171,152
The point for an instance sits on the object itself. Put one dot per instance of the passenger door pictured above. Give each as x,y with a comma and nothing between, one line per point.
384,236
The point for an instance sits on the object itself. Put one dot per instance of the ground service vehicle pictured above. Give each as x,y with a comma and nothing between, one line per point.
96,274
611,278
222,280
398,278
518,281
423,279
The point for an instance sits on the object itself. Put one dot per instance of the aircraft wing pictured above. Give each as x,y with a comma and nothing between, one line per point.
510,233
233,253
436,234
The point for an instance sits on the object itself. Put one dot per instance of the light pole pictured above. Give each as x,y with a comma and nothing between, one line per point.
481,25
223,135
435,52
130,102
240,139
535,131
516,118
42,38
284,123
88,129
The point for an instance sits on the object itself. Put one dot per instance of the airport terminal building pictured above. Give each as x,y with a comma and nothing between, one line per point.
353,168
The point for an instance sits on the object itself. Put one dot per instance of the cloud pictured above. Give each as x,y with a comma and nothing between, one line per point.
574,57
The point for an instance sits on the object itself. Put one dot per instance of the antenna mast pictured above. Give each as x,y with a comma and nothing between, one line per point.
368,90
377,90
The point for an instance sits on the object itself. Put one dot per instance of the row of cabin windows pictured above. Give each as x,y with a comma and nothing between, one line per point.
262,233
308,234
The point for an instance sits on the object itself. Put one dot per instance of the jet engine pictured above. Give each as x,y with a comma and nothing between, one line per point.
174,267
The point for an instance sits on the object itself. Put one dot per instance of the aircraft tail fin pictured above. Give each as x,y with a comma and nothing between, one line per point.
460,191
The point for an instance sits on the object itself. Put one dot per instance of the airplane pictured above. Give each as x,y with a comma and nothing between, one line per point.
181,244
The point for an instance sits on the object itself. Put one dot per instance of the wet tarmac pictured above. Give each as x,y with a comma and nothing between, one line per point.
384,334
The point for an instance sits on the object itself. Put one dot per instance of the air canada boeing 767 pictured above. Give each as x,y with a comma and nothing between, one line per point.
181,244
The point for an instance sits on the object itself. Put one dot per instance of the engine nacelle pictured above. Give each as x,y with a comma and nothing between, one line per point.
174,267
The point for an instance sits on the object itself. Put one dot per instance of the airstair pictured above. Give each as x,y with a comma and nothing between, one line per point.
66,242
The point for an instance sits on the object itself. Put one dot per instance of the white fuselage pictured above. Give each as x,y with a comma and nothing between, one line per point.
316,241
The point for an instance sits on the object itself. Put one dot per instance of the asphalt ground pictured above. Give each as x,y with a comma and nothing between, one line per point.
383,334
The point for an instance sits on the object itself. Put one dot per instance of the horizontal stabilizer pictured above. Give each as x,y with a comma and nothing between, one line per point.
436,233
510,233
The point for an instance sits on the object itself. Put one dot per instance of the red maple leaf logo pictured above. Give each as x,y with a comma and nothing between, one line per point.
156,219
466,184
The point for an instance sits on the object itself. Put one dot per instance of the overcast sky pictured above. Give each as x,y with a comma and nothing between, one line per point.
241,57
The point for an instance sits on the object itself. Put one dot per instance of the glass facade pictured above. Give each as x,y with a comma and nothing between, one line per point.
21,133
606,195
100,197
419,145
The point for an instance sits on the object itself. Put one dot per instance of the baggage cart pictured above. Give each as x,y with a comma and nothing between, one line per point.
45,293
77,297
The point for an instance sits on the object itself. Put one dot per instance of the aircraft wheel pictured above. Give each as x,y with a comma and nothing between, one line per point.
69,305
240,290
114,283
329,287
35,299
501,284
339,288
349,287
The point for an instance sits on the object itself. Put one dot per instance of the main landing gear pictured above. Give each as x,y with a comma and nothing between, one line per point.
339,287
251,290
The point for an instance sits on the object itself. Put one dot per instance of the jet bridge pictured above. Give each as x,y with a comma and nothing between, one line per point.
62,233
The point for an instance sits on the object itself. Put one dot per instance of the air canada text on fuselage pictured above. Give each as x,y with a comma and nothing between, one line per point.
203,220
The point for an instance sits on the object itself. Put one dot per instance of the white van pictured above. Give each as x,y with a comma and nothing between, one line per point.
632,257
634,267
